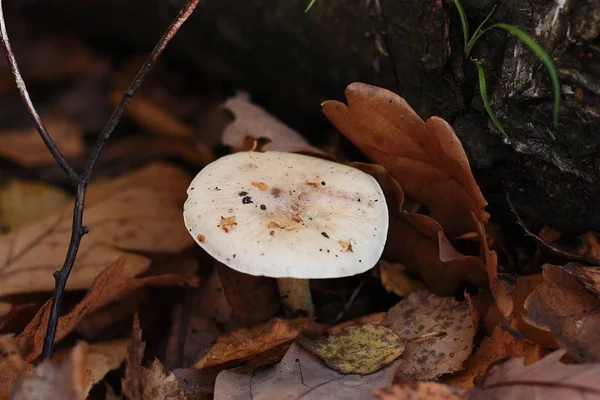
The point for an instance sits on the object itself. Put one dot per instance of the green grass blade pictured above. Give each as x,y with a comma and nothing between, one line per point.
544,57
486,102
463,22
478,32
309,6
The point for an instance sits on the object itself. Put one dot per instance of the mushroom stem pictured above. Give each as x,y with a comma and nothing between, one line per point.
295,295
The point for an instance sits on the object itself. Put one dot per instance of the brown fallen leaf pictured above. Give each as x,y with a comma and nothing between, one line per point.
252,121
426,158
300,374
525,284
253,299
27,148
422,391
12,365
141,383
152,117
589,276
65,380
395,279
101,358
422,313
501,344
373,319
139,211
548,379
108,286
564,306
243,343
499,292
22,202
359,349
418,242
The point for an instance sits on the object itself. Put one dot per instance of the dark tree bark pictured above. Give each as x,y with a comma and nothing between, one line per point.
291,61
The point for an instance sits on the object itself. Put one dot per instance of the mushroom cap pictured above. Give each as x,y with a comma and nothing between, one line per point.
287,215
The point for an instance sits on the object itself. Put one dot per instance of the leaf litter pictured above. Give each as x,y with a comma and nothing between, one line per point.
212,333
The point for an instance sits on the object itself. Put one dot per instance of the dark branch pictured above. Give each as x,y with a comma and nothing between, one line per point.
78,230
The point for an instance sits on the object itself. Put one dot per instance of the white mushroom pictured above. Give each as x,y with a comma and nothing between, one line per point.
288,215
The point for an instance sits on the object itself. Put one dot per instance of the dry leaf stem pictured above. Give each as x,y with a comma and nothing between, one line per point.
81,181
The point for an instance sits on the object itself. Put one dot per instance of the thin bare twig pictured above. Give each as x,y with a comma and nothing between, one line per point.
81,182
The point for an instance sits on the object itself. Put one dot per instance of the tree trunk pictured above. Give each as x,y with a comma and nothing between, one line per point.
291,61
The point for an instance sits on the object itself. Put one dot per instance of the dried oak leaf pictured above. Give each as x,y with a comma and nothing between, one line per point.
108,286
501,344
139,211
421,391
502,298
247,342
426,158
547,379
63,380
524,286
564,306
12,365
419,243
27,148
22,202
422,313
300,374
359,349
141,383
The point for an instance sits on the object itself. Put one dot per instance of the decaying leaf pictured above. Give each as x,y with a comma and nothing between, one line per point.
426,158
422,247
373,319
108,286
243,343
395,279
589,276
501,344
422,391
253,299
252,121
102,358
12,365
139,211
22,202
501,296
422,313
50,381
300,374
546,379
360,349
27,148
141,383
419,243
564,306
525,284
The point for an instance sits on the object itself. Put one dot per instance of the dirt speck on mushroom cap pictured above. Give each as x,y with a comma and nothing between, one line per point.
294,229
